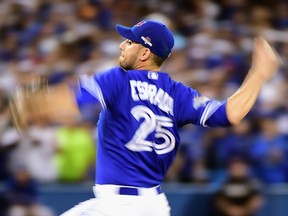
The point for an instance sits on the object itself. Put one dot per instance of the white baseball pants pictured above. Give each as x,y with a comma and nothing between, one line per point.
112,200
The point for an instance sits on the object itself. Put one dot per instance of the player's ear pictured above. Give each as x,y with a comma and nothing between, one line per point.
145,54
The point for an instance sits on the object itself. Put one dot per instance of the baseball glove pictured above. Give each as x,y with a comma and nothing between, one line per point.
26,102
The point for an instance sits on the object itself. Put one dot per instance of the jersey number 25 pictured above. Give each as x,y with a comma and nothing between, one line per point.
151,123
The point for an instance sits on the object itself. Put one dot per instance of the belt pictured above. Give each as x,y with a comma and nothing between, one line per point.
105,190
138,191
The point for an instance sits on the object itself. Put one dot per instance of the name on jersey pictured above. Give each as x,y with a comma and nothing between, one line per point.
148,92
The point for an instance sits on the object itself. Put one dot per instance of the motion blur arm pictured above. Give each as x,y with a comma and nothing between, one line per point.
265,62
57,104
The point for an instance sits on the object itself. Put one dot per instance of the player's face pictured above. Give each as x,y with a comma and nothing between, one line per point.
128,58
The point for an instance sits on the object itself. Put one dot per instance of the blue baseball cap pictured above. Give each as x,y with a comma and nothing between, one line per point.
151,34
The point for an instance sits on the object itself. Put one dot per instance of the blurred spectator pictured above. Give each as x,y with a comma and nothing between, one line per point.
62,39
211,142
40,161
3,205
8,143
186,169
5,143
176,172
35,150
76,154
240,194
269,152
199,173
237,142
22,195
280,20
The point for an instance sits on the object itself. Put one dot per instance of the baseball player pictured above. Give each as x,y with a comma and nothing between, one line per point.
142,110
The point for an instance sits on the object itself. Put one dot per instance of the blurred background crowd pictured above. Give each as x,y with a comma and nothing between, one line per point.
62,39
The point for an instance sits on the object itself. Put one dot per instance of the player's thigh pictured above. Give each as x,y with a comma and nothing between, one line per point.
81,208
105,206
159,206
122,205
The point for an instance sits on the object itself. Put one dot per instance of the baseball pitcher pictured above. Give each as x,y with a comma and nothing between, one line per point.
142,110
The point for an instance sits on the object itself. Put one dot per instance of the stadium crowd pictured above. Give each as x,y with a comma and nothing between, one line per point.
61,39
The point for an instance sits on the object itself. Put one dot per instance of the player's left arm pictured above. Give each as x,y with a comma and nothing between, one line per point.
192,107
265,63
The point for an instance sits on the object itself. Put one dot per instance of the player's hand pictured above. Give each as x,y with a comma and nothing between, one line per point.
265,60
28,104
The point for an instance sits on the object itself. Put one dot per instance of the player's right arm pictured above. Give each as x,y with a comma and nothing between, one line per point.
64,104
56,104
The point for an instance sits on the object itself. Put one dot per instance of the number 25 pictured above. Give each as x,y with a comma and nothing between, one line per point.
151,123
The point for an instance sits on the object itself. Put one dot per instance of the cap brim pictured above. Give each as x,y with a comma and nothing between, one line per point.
126,32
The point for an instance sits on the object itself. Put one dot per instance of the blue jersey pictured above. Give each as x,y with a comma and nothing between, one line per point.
138,125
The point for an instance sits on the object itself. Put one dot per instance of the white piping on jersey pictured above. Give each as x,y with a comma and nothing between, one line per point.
210,109
90,85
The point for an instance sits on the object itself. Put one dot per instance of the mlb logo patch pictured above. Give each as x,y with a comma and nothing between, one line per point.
153,75
140,23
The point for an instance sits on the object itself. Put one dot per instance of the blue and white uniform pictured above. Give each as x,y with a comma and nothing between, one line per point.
138,137
138,127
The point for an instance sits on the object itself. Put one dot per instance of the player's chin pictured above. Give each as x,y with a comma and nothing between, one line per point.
123,65
120,60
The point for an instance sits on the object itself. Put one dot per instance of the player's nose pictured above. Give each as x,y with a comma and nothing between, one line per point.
121,46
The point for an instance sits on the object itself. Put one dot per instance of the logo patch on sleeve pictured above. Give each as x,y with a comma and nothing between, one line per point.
199,101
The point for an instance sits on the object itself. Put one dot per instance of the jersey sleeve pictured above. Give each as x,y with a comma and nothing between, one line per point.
192,107
97,90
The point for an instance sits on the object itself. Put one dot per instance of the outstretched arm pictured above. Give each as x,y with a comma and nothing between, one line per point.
57,105
265,62
31,104
38,102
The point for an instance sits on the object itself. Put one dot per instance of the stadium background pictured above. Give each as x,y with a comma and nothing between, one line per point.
61,39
